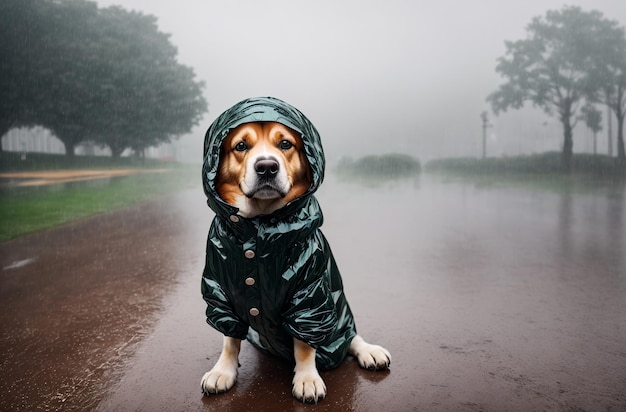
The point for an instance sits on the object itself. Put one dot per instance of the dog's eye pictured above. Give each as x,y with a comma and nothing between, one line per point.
285,144
241,147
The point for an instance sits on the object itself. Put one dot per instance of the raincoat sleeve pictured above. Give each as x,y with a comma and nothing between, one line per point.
311,315
219,312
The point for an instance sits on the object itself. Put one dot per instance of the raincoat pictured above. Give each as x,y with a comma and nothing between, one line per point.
272,278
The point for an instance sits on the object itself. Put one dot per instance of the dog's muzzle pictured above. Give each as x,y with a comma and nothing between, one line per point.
266,168
268,183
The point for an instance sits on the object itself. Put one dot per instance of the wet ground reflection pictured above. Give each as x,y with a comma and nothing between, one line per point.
522,291
488,297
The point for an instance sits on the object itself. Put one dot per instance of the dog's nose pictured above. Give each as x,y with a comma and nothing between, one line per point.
266,167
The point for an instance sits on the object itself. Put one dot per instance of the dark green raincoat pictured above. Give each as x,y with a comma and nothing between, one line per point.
272,278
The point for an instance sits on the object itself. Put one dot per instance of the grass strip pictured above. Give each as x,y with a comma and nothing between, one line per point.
28,210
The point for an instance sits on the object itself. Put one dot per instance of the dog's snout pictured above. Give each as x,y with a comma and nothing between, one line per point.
266,167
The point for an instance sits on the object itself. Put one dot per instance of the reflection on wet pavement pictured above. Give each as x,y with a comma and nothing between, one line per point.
77,300
489,298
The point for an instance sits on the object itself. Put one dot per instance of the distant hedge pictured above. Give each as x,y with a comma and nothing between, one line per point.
383,166
544,163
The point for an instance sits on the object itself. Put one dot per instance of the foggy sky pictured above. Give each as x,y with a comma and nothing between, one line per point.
373,76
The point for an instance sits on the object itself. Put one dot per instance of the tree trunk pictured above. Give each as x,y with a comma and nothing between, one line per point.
609,116
568,143
621,154
5,127
69,148
116,152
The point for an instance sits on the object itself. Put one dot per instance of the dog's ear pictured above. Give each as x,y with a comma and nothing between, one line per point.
226,180
307,167
220,177
304,179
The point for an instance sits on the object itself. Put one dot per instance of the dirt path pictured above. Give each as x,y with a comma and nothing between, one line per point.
51,177
487,299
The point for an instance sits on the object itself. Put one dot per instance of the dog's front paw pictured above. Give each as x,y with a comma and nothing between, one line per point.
372,357
308,386
218,380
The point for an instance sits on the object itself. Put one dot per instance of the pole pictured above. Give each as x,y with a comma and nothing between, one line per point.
610,130
485,119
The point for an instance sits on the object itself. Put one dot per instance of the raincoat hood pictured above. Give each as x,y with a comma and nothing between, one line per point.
259,109
272,278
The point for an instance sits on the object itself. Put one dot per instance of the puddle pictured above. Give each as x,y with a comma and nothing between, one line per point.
19,264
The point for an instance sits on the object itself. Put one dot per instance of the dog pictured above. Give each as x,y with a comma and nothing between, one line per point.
261,176
262,168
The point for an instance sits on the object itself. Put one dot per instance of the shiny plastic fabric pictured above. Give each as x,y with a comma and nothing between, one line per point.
272,278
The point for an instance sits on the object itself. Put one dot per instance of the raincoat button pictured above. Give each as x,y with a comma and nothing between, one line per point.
254,312
234,218
250,281
249,254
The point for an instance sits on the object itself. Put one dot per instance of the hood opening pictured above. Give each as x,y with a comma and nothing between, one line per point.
259,109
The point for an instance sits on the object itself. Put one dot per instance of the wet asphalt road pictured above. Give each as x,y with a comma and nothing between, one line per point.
488,298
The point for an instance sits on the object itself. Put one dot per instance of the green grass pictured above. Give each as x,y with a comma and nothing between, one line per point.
588,174
555,183
13,162
26,210
539,164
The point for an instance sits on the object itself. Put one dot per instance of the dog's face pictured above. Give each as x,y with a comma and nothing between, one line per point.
262,167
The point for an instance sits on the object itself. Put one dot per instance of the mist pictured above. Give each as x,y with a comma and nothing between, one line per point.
490,295
374,77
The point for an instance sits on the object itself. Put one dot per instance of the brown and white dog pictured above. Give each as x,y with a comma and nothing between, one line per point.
262,167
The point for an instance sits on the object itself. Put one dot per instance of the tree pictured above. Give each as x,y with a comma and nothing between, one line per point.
105,75
593,119
610,72
616,101
21,32
69,49
145,96
45,78
553,67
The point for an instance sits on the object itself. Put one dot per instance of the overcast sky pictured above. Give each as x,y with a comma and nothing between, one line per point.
373,76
